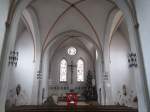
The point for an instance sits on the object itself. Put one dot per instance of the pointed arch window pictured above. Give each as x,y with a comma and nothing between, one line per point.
80,70
96,54
63,70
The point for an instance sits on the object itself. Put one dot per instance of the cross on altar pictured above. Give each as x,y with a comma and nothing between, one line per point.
71,67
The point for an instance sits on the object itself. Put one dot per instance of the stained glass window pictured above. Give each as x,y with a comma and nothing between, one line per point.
96,55
80,70
63,70
71,51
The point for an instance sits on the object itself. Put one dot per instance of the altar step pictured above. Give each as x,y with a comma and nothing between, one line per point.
79,109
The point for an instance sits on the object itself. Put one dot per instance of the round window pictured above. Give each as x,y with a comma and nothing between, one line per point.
71,51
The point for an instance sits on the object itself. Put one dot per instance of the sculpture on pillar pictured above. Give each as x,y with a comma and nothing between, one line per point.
127,97
17,97
20,98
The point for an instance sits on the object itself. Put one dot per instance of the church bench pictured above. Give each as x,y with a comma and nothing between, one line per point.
79,109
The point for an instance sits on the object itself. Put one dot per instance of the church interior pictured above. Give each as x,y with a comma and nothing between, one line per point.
89,48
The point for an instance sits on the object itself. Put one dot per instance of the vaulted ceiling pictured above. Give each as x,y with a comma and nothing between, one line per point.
88,17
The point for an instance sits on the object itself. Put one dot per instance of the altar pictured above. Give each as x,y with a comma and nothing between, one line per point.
64,103
71,98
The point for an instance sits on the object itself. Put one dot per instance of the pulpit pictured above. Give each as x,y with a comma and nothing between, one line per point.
72,100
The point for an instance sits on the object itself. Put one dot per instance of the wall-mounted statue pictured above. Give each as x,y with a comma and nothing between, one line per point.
20,98
16,97
124,89
126,97
18,89
123,96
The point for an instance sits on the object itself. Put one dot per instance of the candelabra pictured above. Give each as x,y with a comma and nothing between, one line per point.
39,75
39,78
13,58
132,60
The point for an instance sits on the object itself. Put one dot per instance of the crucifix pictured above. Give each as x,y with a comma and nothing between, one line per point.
71,68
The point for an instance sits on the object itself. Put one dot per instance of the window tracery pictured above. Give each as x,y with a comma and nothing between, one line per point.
80,70
63,70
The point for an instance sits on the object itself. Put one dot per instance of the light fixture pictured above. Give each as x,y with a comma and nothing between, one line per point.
132,59
13,58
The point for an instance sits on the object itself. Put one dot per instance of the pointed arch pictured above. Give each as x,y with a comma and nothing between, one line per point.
63,70
80,70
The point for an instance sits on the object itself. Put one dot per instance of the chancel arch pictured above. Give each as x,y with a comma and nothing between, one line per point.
63,70
82,52
60,39
80,70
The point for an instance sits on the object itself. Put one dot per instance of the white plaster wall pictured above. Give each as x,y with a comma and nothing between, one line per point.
23,73
4,7
143,16
120,72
